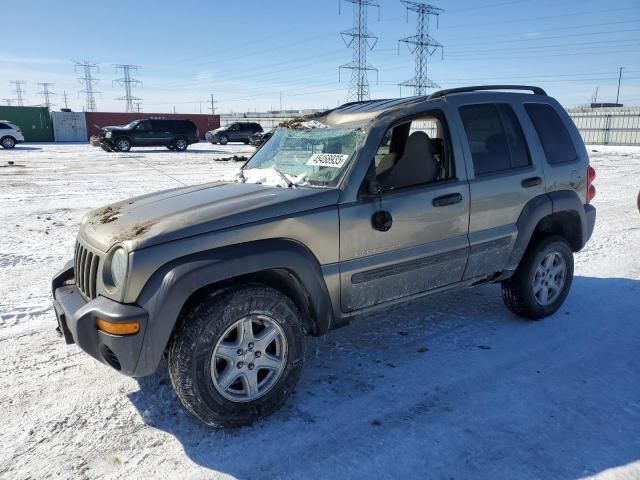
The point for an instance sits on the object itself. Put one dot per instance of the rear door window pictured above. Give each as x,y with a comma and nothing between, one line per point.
495,138
4,126
554,136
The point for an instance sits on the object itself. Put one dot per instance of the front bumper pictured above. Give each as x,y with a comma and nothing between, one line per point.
77,323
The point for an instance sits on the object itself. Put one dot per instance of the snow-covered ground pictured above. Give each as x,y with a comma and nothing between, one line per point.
449,387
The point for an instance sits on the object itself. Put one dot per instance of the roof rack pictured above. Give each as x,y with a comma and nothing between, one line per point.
442,93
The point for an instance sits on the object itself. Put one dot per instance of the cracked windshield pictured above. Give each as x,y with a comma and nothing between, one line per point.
309,157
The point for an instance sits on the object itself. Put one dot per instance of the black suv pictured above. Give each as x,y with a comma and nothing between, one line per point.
174,134
234,132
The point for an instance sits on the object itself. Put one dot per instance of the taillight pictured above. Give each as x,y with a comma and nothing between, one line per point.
591,190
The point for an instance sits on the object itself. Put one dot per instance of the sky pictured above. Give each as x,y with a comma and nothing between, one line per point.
256,55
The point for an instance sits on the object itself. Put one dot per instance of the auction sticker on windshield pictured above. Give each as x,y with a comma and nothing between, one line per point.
333,160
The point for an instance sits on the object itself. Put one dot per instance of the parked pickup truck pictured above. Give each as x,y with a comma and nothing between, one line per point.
338,215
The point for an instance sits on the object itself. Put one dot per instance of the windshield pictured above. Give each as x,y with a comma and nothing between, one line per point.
313,157
131,125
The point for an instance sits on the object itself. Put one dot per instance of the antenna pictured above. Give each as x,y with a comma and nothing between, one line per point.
360,39
88,81
128,82
422,45
18,91
46,93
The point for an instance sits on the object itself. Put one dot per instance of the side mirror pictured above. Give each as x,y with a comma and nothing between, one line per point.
374,188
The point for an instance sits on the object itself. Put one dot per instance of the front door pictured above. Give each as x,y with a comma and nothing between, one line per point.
412,237
143,134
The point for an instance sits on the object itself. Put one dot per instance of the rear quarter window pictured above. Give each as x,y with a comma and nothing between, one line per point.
552,132
4,126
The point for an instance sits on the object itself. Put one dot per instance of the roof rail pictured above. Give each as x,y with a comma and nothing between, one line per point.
442,93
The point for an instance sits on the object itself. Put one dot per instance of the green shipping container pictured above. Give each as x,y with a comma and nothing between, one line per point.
35,122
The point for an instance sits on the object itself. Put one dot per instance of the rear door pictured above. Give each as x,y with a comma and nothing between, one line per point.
234,132
503,177
163,132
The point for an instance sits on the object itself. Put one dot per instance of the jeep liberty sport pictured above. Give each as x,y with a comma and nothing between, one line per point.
337,215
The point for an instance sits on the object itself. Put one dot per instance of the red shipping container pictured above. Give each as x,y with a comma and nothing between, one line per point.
97,120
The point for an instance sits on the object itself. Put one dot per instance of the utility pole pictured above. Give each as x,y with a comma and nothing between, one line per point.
18,91
280,102
594,99
8,101
619,80
46,93
422,45
64,95
213,105
360,39
88,81
138,106
128,82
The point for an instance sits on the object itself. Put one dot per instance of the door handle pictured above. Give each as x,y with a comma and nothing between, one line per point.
381,220
445,200
531,182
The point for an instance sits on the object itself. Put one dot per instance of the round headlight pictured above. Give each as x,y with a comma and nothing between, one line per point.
119,267
108,134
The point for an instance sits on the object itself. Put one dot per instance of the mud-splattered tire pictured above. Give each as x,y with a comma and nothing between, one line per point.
212,343
542,281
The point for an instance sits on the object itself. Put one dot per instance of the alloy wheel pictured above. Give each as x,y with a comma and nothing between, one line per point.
549,278
249,358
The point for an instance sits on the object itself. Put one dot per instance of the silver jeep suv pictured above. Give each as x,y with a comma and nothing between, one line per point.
337,215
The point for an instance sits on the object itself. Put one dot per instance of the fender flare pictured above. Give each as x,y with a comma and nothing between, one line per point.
540,207
169,288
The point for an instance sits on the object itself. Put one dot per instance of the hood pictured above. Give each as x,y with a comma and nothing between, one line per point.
183,212
113,127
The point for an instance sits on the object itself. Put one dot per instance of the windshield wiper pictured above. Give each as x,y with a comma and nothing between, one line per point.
284,177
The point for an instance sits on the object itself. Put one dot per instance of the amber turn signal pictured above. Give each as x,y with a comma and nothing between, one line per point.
118,328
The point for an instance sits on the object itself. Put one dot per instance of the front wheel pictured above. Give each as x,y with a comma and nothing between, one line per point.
123,144
542,281
8,142
223,140
237,355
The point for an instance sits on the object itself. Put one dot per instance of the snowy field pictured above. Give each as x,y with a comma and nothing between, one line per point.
450,387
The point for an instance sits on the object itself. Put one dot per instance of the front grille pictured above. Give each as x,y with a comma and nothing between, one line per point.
86,265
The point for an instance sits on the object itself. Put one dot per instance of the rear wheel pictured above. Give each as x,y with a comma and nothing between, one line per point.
237,355
542,281
8,142
180,144
123,144
223,140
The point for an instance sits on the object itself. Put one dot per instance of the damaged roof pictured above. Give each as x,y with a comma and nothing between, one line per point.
360,112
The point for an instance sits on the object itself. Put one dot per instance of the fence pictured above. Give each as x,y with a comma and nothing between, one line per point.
608,127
